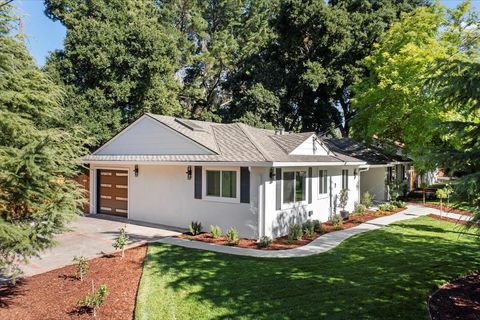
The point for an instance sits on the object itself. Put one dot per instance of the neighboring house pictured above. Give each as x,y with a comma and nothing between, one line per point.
173,171
393,170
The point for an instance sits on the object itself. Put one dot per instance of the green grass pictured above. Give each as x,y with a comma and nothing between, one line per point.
383,274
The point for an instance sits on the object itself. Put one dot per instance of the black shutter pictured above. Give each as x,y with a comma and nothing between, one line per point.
198,182
244,185
278,178
310,178
97,210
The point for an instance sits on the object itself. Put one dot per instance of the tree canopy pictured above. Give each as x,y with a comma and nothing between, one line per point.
37,156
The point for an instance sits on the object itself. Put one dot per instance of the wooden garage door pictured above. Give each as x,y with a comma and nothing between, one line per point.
113,196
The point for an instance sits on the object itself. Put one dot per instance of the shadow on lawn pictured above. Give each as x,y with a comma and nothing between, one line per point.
384,274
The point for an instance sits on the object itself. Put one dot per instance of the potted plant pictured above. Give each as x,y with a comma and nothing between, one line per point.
342,202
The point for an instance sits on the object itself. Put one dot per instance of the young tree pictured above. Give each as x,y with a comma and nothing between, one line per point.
37,157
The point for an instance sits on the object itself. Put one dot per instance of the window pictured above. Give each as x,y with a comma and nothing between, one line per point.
322,178
344,179
221,183
294,186
389,175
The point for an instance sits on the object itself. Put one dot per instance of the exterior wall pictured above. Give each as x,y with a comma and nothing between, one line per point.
164,195
277,222
148,136
373,181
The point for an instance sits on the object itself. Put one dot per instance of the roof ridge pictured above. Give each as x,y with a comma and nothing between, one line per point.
257,146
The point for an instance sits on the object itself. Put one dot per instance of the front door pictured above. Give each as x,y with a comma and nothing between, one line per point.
113,192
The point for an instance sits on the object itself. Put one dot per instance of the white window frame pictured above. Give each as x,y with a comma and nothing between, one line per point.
288,205
220,198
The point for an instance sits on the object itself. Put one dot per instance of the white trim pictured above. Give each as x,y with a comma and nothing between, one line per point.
290,205
94,191
229,164
220,198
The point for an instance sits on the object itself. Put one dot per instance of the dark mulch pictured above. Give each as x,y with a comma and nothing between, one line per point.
55,294
283,243
458,299
445,208
456,221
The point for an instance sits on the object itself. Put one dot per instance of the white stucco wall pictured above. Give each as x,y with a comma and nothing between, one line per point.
277,222
373,181
163,195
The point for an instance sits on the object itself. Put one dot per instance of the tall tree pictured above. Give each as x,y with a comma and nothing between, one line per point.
37,157
312,61
119,61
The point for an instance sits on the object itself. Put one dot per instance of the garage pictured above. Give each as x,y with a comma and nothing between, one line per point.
113,192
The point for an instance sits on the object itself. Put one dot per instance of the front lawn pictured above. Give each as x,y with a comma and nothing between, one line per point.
383,274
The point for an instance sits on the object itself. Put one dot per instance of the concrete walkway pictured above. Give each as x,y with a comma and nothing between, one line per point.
93,236
319,245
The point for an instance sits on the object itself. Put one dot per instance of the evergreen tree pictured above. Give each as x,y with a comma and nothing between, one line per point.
37,157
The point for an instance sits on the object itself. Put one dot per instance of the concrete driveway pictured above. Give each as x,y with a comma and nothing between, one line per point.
92,236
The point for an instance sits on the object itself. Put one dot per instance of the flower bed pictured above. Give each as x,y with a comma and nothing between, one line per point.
445,208
283,243
55,294
456,221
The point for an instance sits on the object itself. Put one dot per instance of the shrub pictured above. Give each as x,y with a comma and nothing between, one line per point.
317,226
121,241
215,231
232,236
264,242
308,229
343,198
366,199
387,207
82,266
195,227
94,300
399,204
337,222
295,232
359,209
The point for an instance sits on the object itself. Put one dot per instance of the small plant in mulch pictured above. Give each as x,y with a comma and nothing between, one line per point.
232,237
121,241
295,233
82,266
308,229
195,228
337,222
94,300
264,242
359,210
215,231
366,199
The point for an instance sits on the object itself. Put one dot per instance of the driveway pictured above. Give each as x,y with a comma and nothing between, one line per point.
92,236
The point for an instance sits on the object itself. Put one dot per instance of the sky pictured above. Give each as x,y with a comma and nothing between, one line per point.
45,36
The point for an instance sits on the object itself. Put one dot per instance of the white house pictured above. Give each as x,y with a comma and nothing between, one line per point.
173,171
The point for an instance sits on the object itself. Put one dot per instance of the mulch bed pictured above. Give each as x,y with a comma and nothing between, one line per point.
283,243
445,208
458,299
456,221
55,294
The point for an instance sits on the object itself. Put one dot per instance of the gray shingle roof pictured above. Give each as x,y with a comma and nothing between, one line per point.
234,142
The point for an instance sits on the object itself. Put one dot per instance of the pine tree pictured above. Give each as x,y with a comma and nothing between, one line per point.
37,157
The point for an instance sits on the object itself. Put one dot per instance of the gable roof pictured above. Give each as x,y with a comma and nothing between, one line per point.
371,155
233,142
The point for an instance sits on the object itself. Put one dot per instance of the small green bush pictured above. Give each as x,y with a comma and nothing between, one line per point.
308,229
387,207
264,242
215,231
82,266
295,232
195,227
121,240
359,209
399,204
317,225
337,222
94,300
232,236
366,199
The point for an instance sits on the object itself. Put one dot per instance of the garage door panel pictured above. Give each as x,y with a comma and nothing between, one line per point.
113,189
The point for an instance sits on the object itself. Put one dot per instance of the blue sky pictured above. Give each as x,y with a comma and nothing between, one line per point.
45,36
